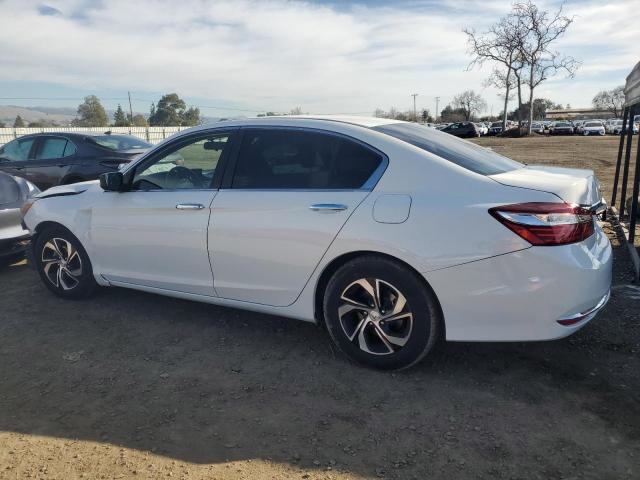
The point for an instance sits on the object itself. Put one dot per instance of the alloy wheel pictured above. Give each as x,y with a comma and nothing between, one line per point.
61,263
376,316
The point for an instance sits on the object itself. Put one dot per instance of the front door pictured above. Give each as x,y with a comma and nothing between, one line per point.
291,192
155,234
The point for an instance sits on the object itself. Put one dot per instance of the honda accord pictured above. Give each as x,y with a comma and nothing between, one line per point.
390,234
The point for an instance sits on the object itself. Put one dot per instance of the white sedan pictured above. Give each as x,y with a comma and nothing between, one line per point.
390,234
593,128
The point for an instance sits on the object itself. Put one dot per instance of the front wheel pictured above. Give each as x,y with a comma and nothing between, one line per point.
63,264
381,314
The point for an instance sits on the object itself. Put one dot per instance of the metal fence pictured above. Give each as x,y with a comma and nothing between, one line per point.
150,134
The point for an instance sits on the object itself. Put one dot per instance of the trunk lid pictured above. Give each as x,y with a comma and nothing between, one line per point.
573,185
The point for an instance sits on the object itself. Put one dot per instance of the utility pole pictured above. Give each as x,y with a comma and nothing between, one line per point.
130,110
415,113
436,117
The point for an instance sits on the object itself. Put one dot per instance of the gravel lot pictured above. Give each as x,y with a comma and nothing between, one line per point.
131,385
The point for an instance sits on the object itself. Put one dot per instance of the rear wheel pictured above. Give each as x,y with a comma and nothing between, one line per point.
381,314
63,264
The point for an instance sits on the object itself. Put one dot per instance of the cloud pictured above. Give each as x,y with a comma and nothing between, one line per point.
276,54
47,10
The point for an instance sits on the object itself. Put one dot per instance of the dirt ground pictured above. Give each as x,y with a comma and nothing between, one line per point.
132,385
596,153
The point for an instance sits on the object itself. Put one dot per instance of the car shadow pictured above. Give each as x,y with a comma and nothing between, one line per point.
207,384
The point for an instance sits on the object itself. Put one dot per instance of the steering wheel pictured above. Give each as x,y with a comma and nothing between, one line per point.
178,174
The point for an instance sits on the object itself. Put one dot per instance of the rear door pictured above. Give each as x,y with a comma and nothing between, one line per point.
53,157
15,155
285,199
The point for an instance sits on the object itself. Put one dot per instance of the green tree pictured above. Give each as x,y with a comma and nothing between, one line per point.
18,122
191,117
138,120
169,111
91,113
2,125
119,118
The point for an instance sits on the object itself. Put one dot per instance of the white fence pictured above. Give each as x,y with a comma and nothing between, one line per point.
150,134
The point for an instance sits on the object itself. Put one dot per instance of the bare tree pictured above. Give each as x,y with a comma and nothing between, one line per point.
470,103
542,30
500,44
296,111
610,100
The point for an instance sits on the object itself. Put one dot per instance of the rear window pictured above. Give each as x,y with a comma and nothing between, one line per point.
119,142
461,152
560,124
593,124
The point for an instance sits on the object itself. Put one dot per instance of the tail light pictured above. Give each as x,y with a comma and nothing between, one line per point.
544,224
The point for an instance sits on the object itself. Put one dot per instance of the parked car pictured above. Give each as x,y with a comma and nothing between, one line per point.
593,128
617,128
389,233
49,159
462,129
561,128
482,129
577,125
496,128
537,128
609,125
14,238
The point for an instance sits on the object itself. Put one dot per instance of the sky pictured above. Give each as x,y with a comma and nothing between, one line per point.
242,57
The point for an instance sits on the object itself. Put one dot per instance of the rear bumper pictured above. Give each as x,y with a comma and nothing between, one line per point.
14,246
522,296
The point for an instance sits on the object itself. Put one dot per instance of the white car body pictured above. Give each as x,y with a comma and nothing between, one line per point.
592,128
266,250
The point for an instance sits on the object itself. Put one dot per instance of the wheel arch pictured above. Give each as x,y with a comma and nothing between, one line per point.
332,267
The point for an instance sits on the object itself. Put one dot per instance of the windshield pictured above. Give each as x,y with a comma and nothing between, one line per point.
120,142
461,152
593,124
562,124
496,124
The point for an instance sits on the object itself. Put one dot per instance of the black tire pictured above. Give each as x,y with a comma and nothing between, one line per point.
419,332
76,279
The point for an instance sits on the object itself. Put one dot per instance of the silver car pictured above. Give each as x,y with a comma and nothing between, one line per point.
14,238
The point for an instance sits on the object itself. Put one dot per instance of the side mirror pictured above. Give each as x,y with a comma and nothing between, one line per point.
111,181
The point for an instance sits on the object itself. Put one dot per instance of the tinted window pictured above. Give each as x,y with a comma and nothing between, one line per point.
461,152
17,150
190,167
51,148
70,149
120,142
294,159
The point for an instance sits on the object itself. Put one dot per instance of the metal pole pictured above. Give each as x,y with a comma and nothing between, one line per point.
634,199
627,157
130,110
437,101
415,112
625,115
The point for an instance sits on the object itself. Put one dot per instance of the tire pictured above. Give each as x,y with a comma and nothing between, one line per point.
362,333
63,264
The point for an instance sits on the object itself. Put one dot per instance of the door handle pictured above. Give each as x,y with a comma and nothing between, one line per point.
328,207
189,206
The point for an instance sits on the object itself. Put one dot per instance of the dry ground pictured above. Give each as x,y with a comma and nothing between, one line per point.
131,385
596,153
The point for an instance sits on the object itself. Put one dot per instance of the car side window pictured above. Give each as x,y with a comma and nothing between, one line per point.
52,147
297,159
17,150
192,166
70,149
